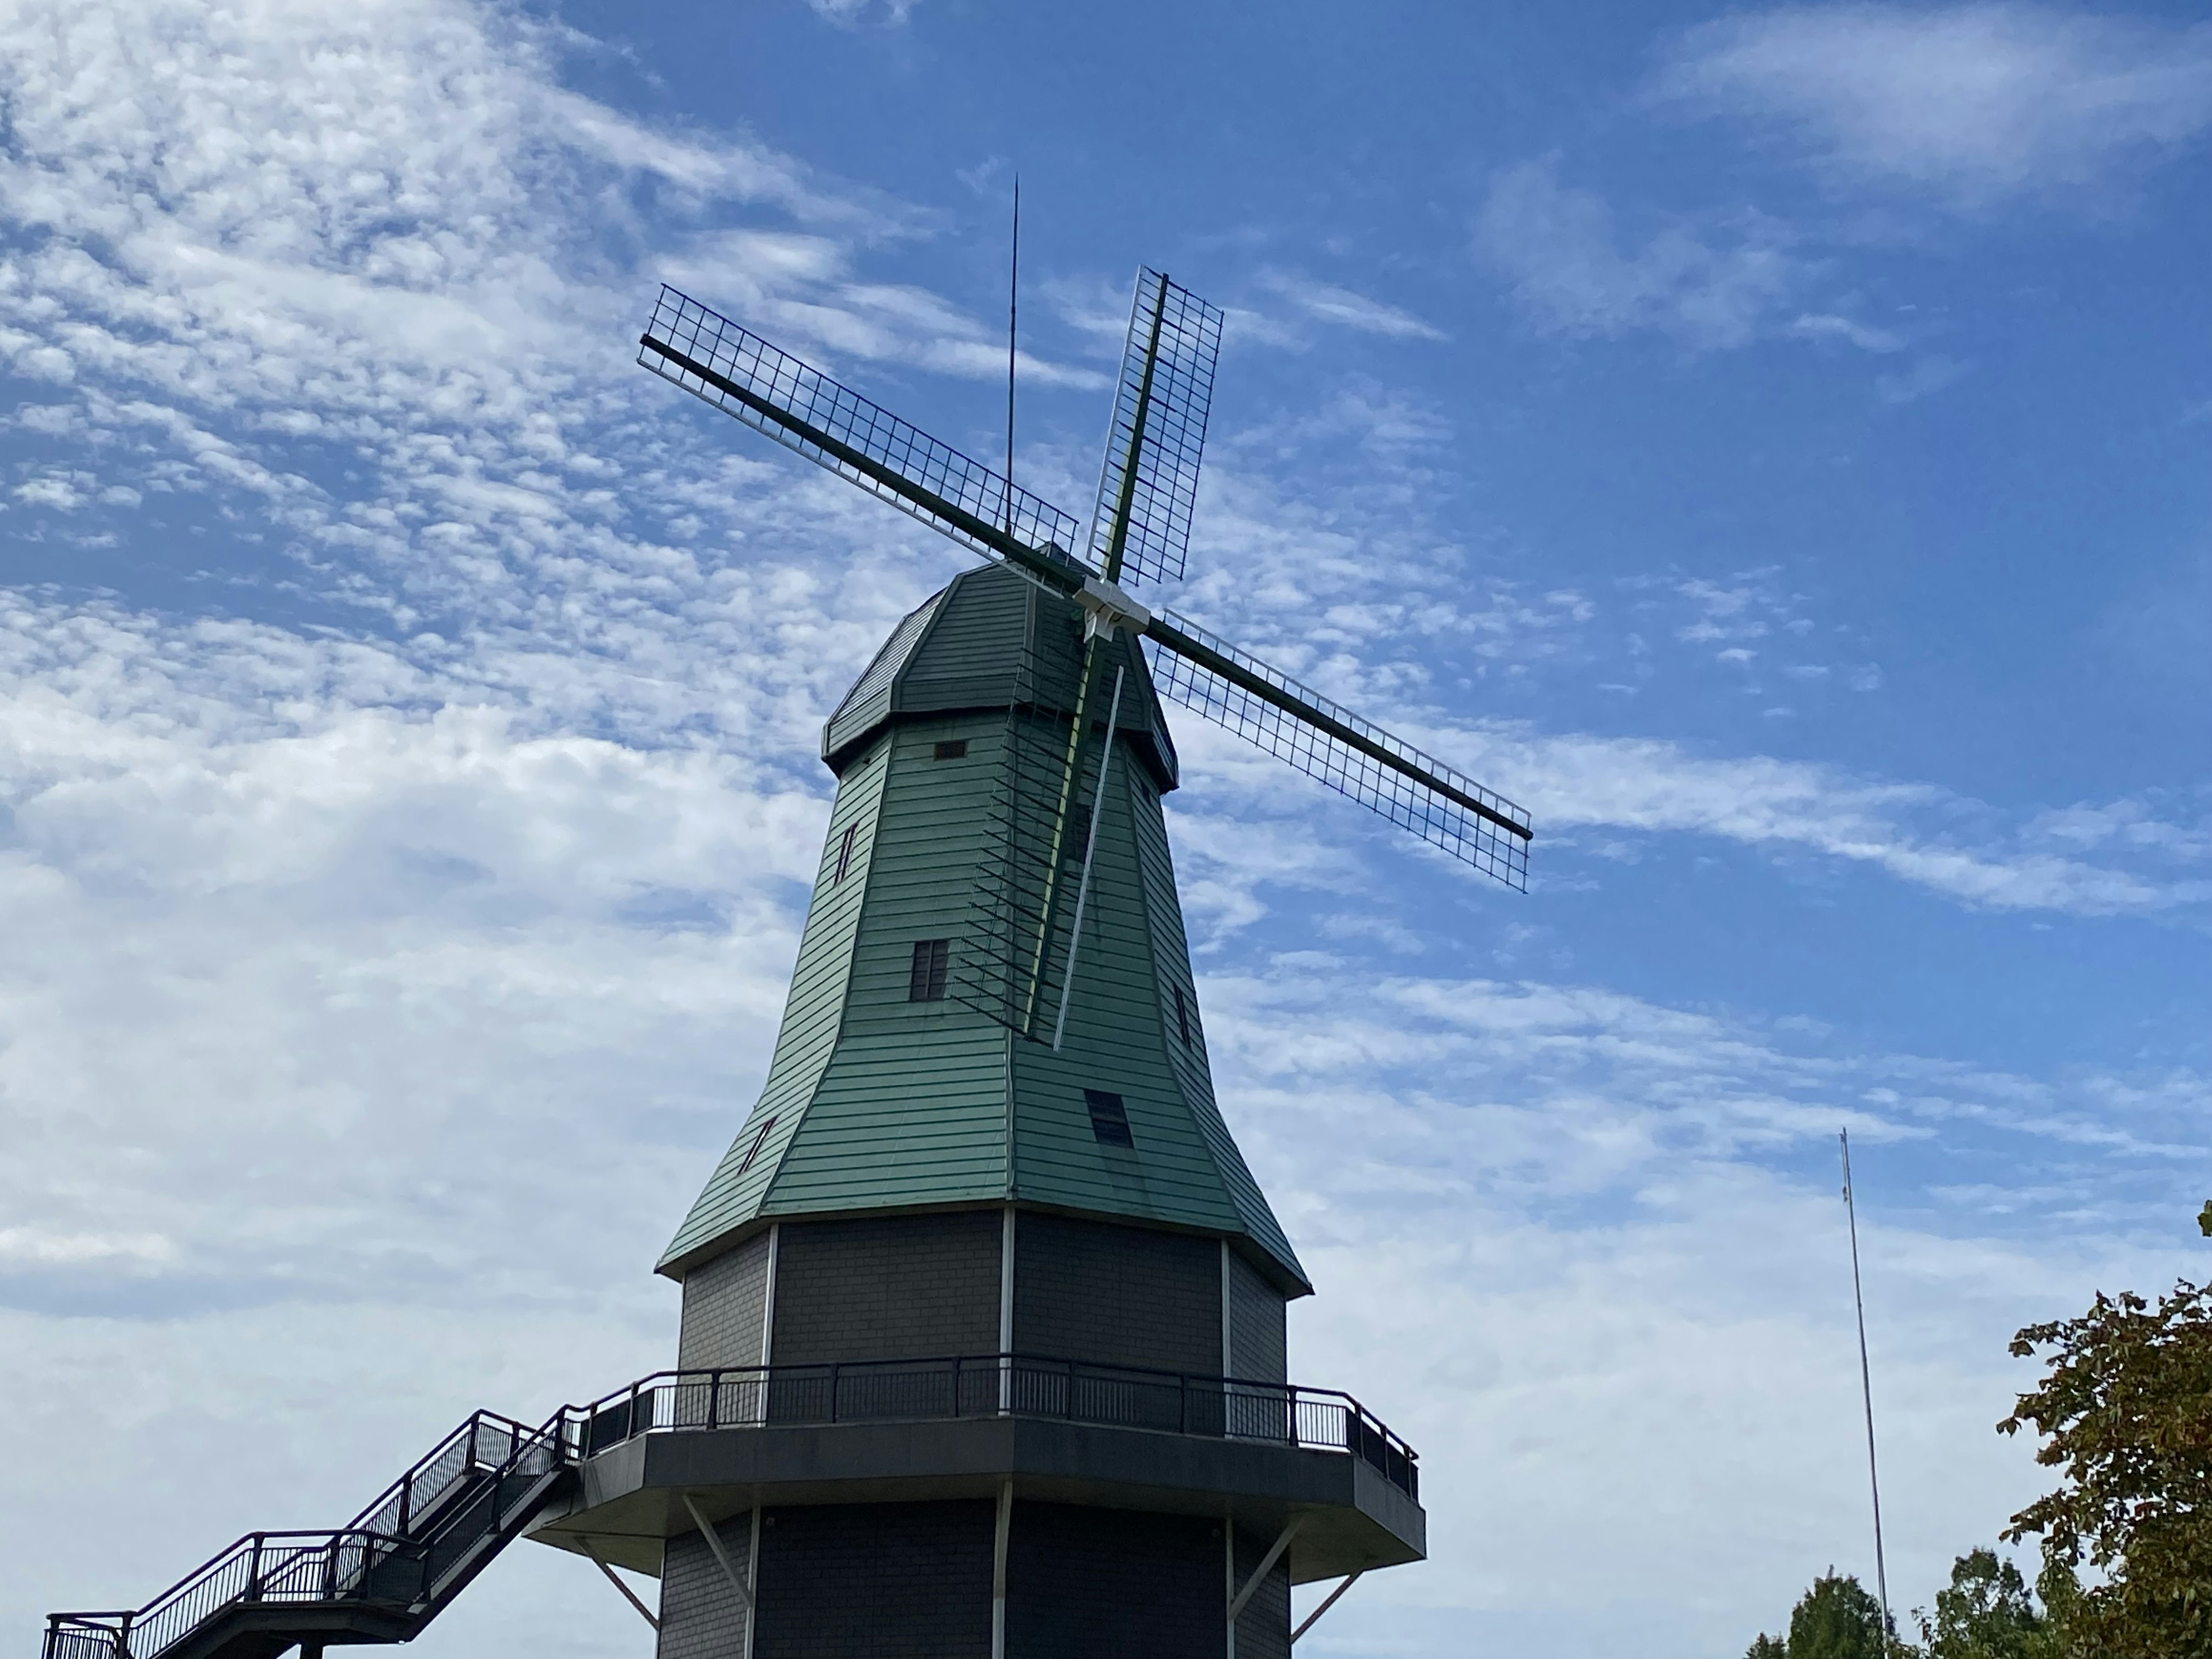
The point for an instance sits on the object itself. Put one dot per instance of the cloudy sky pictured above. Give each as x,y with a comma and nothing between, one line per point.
1769,445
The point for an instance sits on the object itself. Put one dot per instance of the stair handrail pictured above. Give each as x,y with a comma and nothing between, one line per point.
120,1625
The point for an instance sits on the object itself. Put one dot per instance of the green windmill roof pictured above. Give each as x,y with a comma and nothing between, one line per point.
876,1100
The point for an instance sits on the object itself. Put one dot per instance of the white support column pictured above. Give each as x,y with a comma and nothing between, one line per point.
999,1567
1229,1580
1007,1309
768,1322
768,1296
752,1576
1228,1329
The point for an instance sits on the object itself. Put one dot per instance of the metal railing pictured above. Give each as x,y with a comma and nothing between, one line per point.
400,1549
394,1553
998,1385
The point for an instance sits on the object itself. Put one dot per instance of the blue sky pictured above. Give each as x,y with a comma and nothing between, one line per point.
1768,445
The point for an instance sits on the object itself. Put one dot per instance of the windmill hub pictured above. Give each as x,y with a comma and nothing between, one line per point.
1107,607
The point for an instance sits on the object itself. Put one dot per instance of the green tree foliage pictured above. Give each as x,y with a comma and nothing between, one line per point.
1836,1618
1985,1614
2126,1412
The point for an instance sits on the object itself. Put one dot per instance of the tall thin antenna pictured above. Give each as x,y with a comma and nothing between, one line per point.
1013,319
1866,1387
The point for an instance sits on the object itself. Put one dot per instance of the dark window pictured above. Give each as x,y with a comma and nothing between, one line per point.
953,749
754,1151
845,853
1182,1016
1109,1119
926,982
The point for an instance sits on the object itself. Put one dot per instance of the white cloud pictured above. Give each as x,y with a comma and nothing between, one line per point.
850,12
1972,103
1714,285
1326,302
1923,379
371,1001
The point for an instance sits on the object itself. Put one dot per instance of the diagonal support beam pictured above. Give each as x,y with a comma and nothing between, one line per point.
1327,1602
1266,1564
715,1543
629,1595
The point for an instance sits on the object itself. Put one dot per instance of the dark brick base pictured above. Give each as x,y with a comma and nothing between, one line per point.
876,1581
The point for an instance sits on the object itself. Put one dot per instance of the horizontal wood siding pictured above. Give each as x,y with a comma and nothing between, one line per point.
808,1037
912,1108
1194,1076
1114,1041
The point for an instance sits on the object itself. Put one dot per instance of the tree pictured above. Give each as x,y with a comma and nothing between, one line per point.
1985,1614
1834,1619
2126,1411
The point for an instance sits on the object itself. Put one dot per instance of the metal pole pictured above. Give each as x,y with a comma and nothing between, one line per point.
1013,317
1090,852
1866,1387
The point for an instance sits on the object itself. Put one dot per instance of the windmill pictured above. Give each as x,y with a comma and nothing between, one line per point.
983,1350
1140,532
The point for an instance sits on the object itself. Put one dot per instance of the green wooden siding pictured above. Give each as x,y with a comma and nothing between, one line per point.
808,1037
881,1103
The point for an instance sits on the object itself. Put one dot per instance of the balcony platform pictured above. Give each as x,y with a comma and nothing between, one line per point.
630,1497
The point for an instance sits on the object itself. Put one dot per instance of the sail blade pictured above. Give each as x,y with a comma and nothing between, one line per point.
1323,739
728,366
1141,527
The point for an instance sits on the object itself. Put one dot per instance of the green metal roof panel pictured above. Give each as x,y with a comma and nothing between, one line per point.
869,702
808,1036
1170,955
881,1101
990,639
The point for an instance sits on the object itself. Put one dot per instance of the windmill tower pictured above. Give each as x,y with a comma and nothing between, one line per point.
989,1127
983,1350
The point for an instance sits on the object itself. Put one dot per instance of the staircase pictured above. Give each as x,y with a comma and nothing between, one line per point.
381,1577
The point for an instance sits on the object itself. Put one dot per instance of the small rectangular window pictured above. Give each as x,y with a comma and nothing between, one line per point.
845,853
926,980
1182,1016
1109,1119
952,749
754,1151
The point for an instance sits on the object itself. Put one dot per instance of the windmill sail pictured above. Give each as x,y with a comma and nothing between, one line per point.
1324,740
728,366
1141,528
1144,519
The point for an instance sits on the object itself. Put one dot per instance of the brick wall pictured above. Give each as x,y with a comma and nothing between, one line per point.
1093,1583
701,1614
1259,1340
1124,1296
723,1303
876,1581
887,1288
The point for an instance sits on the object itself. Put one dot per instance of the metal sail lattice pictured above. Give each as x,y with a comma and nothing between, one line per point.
1141,529
727,365
1444,807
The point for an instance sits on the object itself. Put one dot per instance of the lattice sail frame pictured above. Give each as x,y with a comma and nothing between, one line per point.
1148,485
742,371
728,365
1407,802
